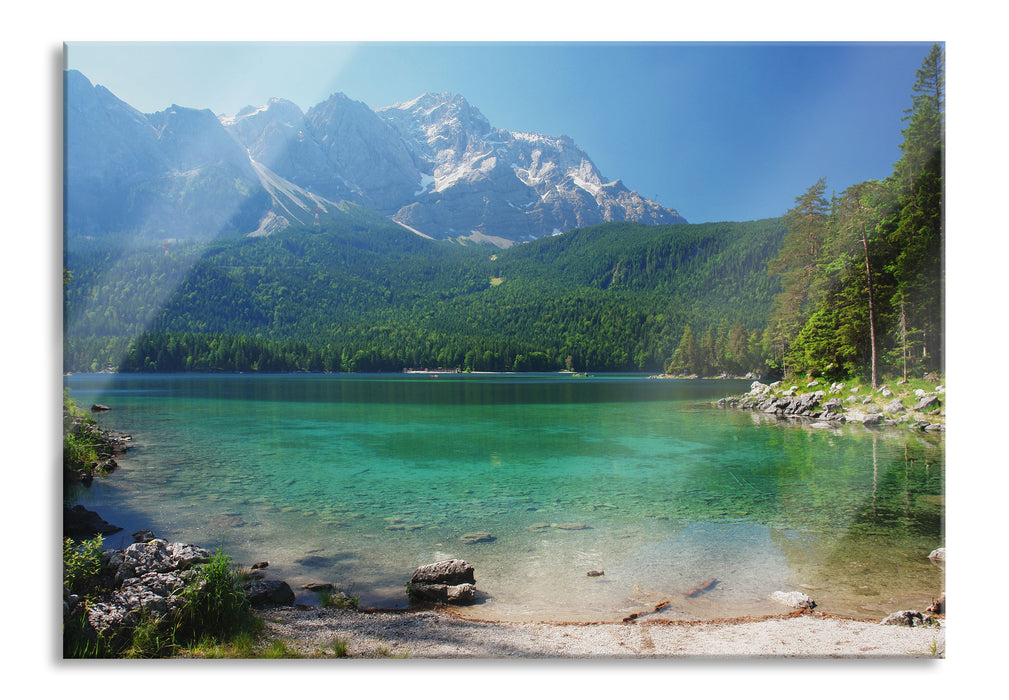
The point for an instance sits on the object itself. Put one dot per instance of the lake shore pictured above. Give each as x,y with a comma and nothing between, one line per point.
433,634
448,633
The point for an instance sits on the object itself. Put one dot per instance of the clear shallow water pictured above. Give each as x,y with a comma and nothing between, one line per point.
358,479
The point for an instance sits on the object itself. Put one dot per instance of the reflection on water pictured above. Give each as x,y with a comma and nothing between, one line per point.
356,480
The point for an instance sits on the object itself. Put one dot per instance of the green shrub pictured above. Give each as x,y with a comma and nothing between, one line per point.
78,454
215,604
82,565
329,599
341,647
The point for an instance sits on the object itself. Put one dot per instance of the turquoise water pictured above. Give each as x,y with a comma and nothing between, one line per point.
358,479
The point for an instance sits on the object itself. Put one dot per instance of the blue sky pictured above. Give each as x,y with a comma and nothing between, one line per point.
719,131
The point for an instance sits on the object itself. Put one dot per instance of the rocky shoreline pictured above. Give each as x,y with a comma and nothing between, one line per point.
826,406
146,577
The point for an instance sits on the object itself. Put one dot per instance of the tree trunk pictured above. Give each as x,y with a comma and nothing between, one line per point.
872,320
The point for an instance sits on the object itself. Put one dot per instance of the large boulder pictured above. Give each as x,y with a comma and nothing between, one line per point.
894,406
268,592
449,571
79,523
926,403
450,581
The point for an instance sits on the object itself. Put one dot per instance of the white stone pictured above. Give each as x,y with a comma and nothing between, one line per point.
793,599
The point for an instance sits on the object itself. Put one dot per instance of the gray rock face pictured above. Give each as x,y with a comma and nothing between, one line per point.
434,164
154,556
149,579
476,179
450,581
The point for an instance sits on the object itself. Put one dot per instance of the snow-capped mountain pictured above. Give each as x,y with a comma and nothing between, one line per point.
494,182
434,164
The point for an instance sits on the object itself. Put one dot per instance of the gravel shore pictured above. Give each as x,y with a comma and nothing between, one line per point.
434,634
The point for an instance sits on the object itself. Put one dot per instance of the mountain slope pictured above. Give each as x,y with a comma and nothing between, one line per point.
476,179
434,164
611,297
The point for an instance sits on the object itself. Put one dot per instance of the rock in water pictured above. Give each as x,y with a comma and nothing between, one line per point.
449,581
318,587
268,592
450,571
79,523
144,535
794,599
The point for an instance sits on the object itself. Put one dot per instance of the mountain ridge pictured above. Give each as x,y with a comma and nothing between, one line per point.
433,164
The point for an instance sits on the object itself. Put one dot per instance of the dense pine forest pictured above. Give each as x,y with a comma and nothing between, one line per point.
850,285
366,298
862,274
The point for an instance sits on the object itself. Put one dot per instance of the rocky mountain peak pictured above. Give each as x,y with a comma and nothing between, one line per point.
434,164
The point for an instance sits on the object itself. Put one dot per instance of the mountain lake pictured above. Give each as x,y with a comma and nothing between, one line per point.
357,479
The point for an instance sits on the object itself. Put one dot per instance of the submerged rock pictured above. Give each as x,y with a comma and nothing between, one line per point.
317,587
477,538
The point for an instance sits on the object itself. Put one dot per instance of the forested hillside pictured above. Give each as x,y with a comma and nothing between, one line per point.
862,273
847,285
367,297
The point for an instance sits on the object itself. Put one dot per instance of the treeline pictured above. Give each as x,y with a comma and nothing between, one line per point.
718,350
614,297
197,352
862,274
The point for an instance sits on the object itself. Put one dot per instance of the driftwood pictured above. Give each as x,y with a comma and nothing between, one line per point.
703,588
658,608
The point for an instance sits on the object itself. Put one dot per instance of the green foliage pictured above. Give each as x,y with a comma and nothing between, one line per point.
341,647
79,453
371,297
871,291
214,611
82,566
278,649
215,604
339,601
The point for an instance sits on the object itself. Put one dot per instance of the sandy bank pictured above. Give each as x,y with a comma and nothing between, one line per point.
427,634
